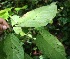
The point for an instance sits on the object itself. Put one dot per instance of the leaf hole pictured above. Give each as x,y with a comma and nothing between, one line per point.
57,47
9,55
57,44
33,19
50,35
11,48
14,47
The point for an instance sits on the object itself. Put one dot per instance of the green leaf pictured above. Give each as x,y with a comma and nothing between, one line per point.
38,17
64,20
15,20
18,30
13,47
24,7
4,13
33,1
2,54
50,46
26,56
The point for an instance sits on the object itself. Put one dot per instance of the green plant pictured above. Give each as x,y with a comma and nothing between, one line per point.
38,18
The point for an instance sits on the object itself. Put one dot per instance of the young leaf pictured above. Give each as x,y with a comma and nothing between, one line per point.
24,7
50,45
15,20
18,30
13,47
38,17
4,13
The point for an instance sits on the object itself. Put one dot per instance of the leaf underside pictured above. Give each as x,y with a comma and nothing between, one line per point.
37,17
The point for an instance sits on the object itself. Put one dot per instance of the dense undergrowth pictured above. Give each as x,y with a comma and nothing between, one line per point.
39,29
